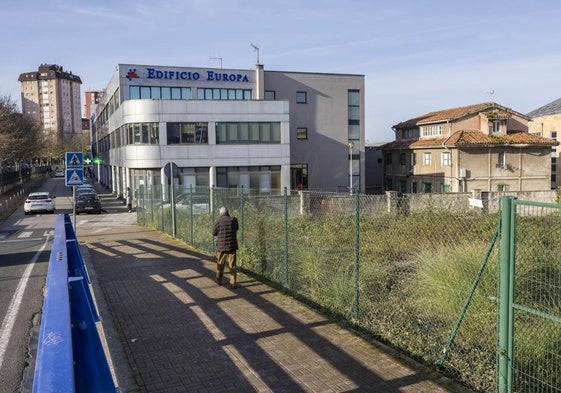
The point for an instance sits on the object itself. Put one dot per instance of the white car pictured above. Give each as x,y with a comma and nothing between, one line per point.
39,202
59,173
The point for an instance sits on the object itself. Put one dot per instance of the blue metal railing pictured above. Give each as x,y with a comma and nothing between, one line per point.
70,356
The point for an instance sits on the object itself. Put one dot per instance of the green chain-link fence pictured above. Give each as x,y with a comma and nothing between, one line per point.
423,280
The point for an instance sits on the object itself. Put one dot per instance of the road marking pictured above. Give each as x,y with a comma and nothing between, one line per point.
25,235
13,309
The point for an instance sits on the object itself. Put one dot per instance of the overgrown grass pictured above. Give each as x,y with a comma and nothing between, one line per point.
411,276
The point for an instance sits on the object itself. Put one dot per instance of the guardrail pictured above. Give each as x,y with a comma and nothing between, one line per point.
70,355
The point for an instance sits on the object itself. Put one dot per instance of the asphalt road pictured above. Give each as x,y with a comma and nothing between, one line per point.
25,245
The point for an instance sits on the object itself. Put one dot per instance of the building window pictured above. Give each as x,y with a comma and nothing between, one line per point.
402,186
301,133
502,187
301,97
444,187
299,176
270,95
446,158
389,158
414,187
262,178
402,159
248,133
187,133
223,94
432,130
554,135
159,93
413,159
389,184
141,133
502,160
427,188
427,159
496,126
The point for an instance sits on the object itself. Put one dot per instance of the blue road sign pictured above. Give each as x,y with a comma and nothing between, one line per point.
74,176
74,159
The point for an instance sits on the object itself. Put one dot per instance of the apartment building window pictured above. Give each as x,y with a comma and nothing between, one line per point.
426,159
446,158
501,160
301,133
301,97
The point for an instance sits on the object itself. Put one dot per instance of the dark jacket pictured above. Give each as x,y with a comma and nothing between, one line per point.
226,231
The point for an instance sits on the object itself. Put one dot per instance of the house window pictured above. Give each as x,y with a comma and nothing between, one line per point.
426,158
432,130
389,184
496,126
414,187
388,158
301,133
301,97
444,187
554,135
446,158
413,159
402,159
427,188
402,186
502,160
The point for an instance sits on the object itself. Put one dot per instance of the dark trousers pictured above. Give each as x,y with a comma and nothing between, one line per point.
222,258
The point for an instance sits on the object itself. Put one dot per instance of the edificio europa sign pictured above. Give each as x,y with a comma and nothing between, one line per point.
208,75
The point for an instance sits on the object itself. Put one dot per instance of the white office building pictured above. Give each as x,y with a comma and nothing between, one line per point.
246,129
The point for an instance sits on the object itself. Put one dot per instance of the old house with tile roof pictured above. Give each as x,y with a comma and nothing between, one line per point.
483,147
546,121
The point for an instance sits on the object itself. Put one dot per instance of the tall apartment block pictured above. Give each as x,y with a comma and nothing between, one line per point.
51,97
92,98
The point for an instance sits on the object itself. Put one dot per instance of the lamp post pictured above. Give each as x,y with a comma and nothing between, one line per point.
351,145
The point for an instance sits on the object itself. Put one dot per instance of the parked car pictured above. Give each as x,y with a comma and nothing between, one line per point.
87,202
41,201
85,189
59,173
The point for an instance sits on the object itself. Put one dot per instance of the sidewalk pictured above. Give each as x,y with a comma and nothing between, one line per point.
170,328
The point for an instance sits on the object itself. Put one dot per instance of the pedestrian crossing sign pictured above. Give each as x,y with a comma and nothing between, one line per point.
74,177
74,159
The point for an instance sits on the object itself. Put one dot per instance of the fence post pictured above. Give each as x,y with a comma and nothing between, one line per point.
242,204
505,315
285,203
357,254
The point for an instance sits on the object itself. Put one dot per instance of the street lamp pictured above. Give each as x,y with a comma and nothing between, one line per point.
351,145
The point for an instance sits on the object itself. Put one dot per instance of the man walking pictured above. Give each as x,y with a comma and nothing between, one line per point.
226,229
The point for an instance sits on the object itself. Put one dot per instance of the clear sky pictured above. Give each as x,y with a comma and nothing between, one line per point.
417,56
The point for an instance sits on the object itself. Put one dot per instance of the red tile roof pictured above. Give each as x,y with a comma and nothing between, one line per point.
457,113
474,139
